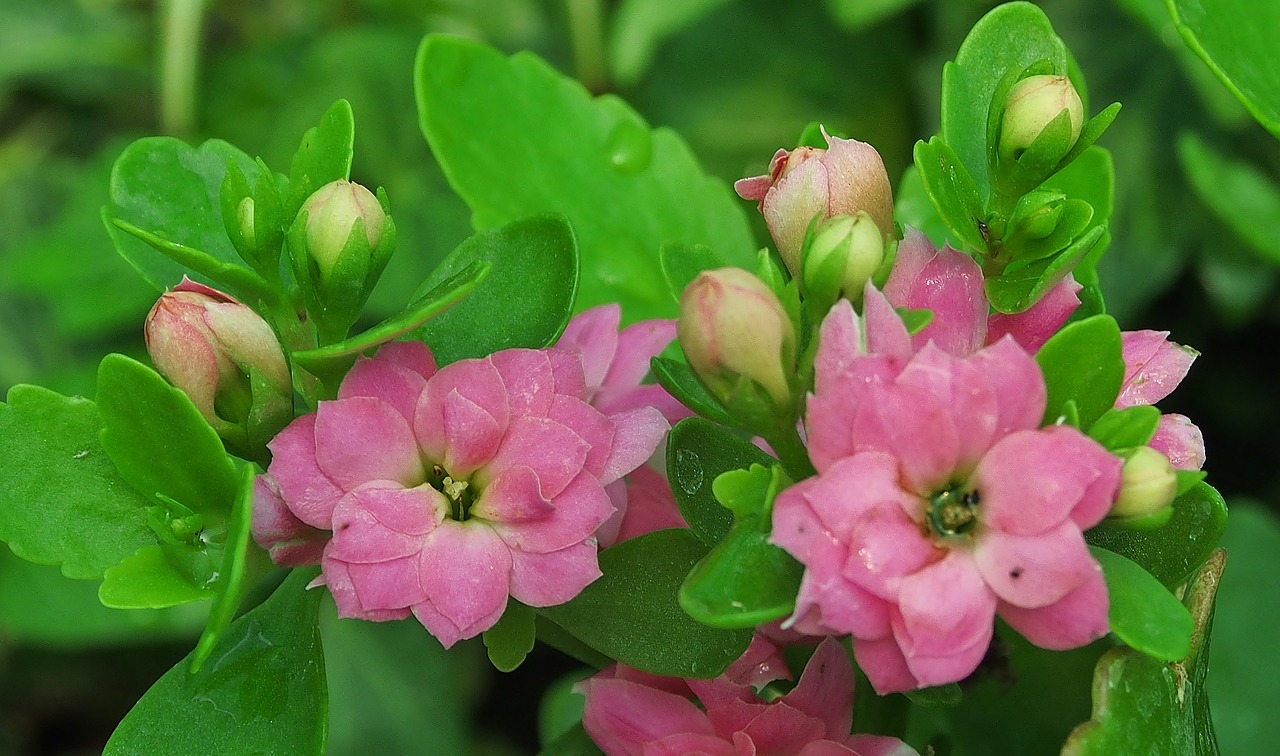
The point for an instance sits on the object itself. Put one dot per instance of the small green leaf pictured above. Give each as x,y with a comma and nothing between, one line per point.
1017,290
939,696
698,452
323,156
631,613
1126,428
561,707
680,382
166,188
526,299
62,501
511,640
1240,195
1174,552
952,191
1083,362
1143,613
160,443
538,142
1236,39
912,207
261,691
149,580
241,281
681,263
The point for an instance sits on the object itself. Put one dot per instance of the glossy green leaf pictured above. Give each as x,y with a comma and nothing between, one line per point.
912,207
1018,290
525,300
1240,195
1237,40
1143,705
699,451
679,381
631,613
537,142
160,443
511,640
1083,363
1173,552
1126,428
323,156
167,188
149,580
62,502
1012,36
261,691
952,192
681,263
1090,177
640,26
1143,613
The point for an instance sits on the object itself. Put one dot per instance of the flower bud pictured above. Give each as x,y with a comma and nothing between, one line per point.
843,254
1032,104
843,179
224,357
244,219
332,213
1148,487
733,327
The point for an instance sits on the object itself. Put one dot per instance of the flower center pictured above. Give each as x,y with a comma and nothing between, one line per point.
954,511
459,492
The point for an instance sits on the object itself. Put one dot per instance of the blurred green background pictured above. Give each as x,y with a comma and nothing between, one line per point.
1196,251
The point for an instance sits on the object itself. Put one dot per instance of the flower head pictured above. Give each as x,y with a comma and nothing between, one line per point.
446,491
938,504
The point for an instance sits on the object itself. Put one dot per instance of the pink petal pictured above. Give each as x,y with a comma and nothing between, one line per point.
846,493
1031,481
753,188
915,427
342,586
637,344
878,745
761,664
443,628
364,439
1180,440
566,373
825,690
1032,327
884,665
1153,367
529,379
622,716
1017,382
962,386
593,336
650,505
1078,619
637,435
471,433
914,252
830,413
378,521
555,577
475,380
949,284
886,333
780,729
826,748
556,453
408,355
576,512
466,571
376,588
792,203
1033,571
307,491
291,542
885,546
839,345
945,608
691,744
383,379
946,665
513,497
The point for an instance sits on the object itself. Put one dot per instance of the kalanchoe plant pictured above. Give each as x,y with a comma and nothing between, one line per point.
884,461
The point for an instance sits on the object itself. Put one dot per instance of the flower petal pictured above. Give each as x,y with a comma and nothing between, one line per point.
945,609
825,690
363,439
1153,367
1077,619
290,541
1180,440
637,344
622,716
1017,382
636,436
1032,327
307,491
472,435
555,577
1032,571
475,380
555,452
593,335
465,569
884,665
379,521
384,378
914,426
529,379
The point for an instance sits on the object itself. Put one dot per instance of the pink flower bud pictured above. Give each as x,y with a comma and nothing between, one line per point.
732,325
332,213
1032,104
210,345
843,179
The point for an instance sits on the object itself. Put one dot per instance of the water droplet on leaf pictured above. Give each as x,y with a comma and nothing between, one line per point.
688,471
629,146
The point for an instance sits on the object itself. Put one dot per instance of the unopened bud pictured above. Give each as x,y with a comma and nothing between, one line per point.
1032,104
843,254
731,327
1148,487
332,213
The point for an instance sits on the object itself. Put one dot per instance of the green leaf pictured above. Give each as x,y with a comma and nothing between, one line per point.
1083,362
679,381
913,207
1126,428
1012,36
239,279
537,142
698,452
62,502
1236,39
261,691
1142,705
1016,291
149,580
166,188
937,696
1090,177
1143,613
745,581
640,26
561,707
160,443
574,742
631,613
952,192
323,156
1174,552
856,15
1241,196
526,299
681,263
511,640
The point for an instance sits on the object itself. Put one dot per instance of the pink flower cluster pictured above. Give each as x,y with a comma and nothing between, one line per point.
442,492
630,713
939,503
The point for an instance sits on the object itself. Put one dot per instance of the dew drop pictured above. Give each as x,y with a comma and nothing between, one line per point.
688,471
629,147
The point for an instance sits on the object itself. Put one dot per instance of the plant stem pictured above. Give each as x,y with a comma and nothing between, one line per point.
181,22
791,453
586,35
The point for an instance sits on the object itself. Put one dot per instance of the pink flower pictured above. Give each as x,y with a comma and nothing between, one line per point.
446,491
633,714
1153,368
808,182
614,365
938,504
950,284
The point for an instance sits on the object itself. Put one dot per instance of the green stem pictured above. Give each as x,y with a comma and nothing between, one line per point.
586,34
179,58
791,452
